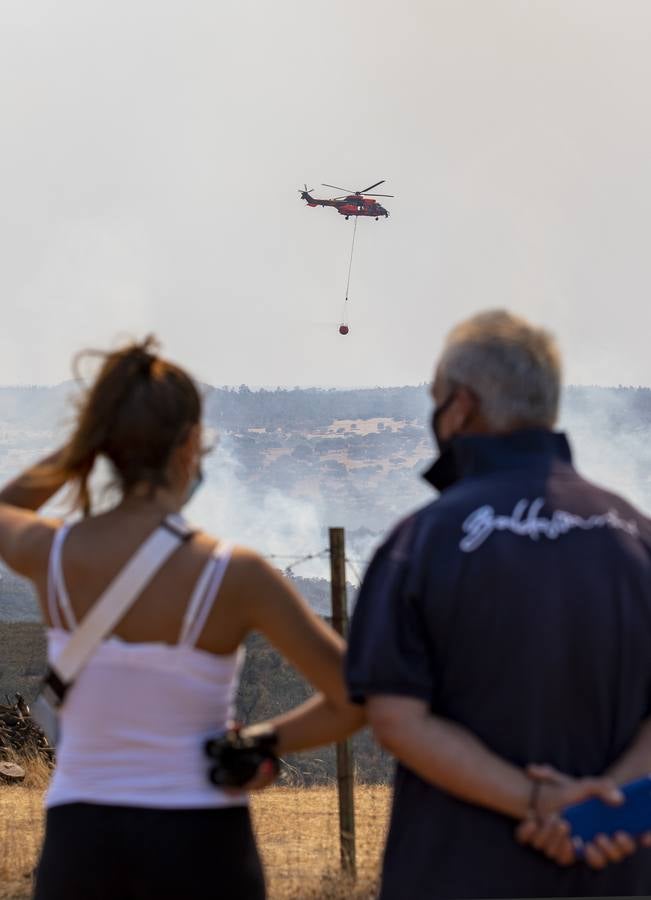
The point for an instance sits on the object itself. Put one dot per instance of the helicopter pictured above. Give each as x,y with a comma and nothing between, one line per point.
353,203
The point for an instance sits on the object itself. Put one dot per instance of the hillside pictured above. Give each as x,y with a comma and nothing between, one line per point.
18,601
289,463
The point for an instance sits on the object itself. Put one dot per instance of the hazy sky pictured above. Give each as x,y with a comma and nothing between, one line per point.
152,150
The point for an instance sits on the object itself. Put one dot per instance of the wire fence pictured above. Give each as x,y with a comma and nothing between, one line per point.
299,838
353,565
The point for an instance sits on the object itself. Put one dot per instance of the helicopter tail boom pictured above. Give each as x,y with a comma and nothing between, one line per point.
315,201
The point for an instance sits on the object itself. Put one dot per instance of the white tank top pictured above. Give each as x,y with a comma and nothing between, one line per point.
134,723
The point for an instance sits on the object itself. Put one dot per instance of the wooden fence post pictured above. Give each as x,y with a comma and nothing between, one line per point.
345,774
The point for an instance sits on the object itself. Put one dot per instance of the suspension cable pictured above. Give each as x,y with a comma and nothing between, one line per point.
352,248
344,317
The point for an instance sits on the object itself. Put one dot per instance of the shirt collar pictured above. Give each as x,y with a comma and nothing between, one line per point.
478,454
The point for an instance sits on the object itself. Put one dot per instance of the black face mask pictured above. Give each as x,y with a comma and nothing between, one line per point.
443,472
442,445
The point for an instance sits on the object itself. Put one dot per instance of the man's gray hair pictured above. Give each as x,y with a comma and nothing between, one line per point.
513,368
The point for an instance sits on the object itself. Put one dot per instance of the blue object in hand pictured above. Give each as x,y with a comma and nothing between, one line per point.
593,817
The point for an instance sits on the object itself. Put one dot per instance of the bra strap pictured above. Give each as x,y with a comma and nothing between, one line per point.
205,594
60,589
197,598
53,586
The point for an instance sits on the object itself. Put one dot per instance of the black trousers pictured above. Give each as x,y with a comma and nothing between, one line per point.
98,852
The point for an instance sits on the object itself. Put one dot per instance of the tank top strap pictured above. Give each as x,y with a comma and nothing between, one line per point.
57,594
204,594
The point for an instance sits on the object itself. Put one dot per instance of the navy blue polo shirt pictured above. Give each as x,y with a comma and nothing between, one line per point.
517,604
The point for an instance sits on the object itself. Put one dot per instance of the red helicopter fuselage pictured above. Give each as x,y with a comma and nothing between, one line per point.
353,205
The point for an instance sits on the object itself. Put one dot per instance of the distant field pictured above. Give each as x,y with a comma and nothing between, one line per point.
297,831
386,458
365,426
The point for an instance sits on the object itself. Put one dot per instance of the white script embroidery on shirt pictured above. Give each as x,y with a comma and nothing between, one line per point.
481,523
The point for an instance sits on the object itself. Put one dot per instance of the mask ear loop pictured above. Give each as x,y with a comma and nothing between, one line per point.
439,410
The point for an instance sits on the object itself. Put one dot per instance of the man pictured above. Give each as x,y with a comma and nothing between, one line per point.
507,623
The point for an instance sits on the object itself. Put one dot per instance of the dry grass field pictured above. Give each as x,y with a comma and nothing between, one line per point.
297,832
21,826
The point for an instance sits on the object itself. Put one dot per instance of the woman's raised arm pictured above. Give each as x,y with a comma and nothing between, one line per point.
25,536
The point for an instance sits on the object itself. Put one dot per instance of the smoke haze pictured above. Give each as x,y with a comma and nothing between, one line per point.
285,513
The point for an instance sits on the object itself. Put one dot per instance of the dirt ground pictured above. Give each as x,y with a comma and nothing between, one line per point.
297,830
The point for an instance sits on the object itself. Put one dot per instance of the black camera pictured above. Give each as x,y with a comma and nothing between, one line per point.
238,754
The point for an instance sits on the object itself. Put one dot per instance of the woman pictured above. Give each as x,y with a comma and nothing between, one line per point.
130,810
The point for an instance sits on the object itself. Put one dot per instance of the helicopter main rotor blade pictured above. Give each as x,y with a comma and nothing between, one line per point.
370,188
334,186
379,195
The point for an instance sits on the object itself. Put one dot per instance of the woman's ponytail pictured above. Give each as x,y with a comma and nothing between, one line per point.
137,409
